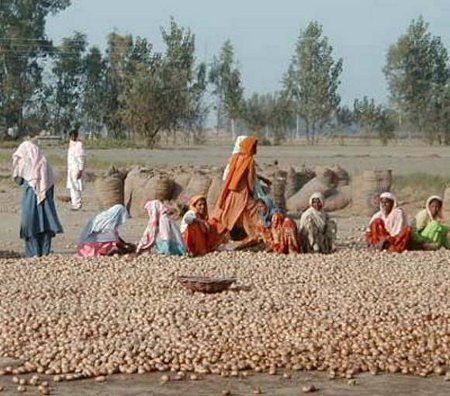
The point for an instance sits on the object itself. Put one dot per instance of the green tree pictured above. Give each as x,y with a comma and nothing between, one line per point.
226,78
69,73
312,79
95,89
23,43
164,91
417,72
374,118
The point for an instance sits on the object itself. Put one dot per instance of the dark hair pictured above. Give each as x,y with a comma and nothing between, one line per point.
73,133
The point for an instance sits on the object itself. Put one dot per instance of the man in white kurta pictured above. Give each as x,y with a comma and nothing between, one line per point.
75,168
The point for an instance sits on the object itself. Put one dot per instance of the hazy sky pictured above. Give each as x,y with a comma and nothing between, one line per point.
264,32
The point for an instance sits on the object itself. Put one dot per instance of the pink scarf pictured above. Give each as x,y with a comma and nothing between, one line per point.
31,165
155,227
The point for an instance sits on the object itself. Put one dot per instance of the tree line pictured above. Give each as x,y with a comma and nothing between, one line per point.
131,90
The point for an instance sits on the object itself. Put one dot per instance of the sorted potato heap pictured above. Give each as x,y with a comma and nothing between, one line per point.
345,313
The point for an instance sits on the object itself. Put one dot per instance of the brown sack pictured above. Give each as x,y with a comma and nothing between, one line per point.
366,189
109,188
300,200
340,199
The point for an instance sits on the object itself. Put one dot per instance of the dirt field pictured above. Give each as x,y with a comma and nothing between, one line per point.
403,160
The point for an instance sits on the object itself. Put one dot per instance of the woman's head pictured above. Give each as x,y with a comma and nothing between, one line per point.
316,201
73,135
198,204
387,202
434,206
249,145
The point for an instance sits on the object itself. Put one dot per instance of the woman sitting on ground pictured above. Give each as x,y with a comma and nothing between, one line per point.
199,232
100,236
278,232
388,228
318,231
162,233
429,231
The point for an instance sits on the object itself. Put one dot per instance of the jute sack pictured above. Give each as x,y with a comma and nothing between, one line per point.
326,176
146,186
339,199
342,176
278,189
292,183
446,204
300,200
181,180
109,188
198,185
366,189
213,192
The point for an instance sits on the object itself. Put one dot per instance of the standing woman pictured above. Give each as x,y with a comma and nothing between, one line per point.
75,168
39,220
236,204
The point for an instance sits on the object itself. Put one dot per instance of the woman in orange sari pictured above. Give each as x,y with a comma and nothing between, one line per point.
278,232
388,228
236,205
199,232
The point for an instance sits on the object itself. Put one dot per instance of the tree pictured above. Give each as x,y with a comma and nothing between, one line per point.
163,91
22,44
374,118
226,78
95,89
69,72
417,72
312,79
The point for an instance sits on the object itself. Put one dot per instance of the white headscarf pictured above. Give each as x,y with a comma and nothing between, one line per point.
319,217
395,220
427,206
236,150
30,164
109,219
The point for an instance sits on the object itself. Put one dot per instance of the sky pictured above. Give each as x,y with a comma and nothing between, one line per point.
264,33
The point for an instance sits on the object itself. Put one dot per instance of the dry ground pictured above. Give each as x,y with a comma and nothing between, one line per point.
403,160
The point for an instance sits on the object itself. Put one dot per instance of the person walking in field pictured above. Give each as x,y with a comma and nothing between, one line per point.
75,169
39,220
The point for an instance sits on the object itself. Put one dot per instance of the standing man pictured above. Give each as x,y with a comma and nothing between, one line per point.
75,168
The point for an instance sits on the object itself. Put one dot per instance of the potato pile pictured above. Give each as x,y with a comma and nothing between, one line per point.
345,313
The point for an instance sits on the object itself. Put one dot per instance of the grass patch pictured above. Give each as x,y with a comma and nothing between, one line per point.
417,187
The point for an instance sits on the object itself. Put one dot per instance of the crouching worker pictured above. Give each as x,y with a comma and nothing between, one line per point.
200,234
430,233
317,229
276,231
162,233
100,236
388,228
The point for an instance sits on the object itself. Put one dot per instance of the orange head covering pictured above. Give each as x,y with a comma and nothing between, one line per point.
239,165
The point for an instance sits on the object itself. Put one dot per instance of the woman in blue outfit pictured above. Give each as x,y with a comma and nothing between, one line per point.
39,220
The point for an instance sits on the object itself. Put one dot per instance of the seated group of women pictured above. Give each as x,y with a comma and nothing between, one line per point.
243,203
389,228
